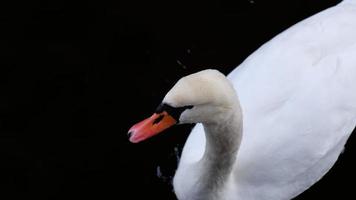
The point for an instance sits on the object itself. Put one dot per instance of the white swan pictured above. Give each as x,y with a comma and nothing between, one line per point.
298,101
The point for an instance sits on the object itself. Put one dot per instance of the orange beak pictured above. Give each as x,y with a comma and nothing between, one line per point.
150,127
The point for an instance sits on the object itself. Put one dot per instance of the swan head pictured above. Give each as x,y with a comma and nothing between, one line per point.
203,97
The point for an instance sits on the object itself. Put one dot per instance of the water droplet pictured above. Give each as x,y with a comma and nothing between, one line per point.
158,172
176,152
181,64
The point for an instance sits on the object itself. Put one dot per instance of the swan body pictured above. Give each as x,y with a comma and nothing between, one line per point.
276,124
297,94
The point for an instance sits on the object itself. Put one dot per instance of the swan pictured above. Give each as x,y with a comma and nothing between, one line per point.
276,124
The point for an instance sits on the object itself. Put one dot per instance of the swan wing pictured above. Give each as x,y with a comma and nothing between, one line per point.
297,93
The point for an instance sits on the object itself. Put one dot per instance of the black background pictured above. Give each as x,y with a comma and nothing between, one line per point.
76,75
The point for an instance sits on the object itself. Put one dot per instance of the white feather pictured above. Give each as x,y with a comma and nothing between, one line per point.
298,99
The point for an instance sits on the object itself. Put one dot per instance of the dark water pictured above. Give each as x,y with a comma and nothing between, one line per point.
76,76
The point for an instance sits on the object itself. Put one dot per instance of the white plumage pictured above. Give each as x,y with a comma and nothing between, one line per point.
298,97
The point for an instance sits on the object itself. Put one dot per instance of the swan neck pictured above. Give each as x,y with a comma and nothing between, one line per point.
222,143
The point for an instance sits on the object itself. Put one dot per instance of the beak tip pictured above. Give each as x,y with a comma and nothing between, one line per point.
130,137
129,134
